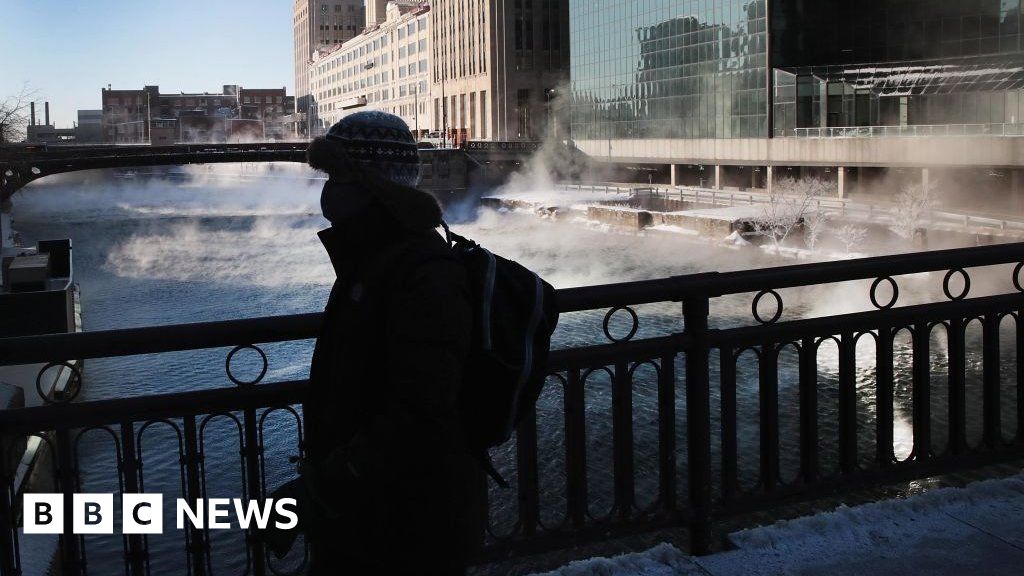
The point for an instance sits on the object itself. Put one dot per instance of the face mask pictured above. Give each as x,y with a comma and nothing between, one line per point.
342,200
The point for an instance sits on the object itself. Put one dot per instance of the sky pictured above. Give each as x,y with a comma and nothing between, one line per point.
67,50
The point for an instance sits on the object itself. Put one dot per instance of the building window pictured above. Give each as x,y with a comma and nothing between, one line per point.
523,113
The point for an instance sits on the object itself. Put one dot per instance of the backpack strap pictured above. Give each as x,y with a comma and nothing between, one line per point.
483,458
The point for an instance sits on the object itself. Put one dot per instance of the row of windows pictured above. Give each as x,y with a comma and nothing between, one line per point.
115,100
459,39
837,32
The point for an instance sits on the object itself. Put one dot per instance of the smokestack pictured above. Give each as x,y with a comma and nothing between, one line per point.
32,107
47,107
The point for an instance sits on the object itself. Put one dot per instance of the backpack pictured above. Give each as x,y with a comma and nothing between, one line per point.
514,315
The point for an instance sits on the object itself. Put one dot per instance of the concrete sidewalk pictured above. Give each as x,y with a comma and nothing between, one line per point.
952,531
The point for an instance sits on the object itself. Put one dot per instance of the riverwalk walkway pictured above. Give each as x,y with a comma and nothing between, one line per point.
978,529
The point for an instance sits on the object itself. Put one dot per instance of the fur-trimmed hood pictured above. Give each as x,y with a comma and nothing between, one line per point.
413,209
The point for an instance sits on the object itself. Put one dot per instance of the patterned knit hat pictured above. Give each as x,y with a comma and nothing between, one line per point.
378,142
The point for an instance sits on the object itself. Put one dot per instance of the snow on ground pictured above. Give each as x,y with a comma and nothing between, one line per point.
673,229
974,530
662,560
729,214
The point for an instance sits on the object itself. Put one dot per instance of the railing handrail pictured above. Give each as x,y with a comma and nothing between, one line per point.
847,207
194,336
973,129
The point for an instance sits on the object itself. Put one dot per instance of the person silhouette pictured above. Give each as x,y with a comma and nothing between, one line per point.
385,455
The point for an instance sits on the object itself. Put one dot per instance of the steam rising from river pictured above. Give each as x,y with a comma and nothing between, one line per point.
258,226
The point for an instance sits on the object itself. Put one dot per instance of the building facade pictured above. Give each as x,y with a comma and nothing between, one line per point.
89,127
749,85
233,114
499,67
316,25
473,70
384,68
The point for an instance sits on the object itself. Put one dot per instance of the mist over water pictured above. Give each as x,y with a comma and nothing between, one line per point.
241,241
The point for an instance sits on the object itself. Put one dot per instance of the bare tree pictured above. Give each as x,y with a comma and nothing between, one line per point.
13,116
788,203
851,235
913,204
814,225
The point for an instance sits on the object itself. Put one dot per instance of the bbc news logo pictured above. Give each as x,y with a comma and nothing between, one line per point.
143,513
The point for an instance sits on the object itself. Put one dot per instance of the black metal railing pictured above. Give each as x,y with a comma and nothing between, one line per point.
697,376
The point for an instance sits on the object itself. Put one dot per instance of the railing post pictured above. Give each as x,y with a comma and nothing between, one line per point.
195,538
135,554
8,529
575,450
667,433
957,386
922,392
809,410
255,484
698,421
768,394
883,396
71,562
848,403
526,464
622,439
730,458
1019,331
990,381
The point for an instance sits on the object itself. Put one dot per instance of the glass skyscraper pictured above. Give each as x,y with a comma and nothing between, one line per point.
701,69
668,68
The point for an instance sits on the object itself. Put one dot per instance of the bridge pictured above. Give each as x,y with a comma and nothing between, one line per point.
21,165
683,465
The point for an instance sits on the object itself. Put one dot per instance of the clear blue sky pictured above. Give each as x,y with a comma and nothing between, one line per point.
68,49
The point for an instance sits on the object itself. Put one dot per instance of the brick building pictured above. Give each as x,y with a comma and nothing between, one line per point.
235,113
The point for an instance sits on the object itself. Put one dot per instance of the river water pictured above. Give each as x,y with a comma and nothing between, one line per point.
240,241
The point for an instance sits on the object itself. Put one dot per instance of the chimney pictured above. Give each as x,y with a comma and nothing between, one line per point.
32,107
47,108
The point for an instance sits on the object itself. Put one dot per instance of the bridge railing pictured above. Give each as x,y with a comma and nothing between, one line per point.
683,416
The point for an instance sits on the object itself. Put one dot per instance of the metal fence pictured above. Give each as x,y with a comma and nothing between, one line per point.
911,131
876,212
696,413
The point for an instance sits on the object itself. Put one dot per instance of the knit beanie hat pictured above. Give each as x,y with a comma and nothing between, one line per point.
371,141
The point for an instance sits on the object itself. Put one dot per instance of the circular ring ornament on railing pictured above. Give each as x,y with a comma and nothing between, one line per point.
235,350
1016,277
73,388
967,283
778,307
874,296
632,329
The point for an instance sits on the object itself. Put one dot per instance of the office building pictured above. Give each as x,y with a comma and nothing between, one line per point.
478,70
742,89
384,68
499,67
316,25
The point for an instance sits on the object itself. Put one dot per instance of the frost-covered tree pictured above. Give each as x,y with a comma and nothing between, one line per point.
814,225
851,235
789,201
913,205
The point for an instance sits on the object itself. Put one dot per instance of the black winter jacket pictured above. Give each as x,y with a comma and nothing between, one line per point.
385,379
